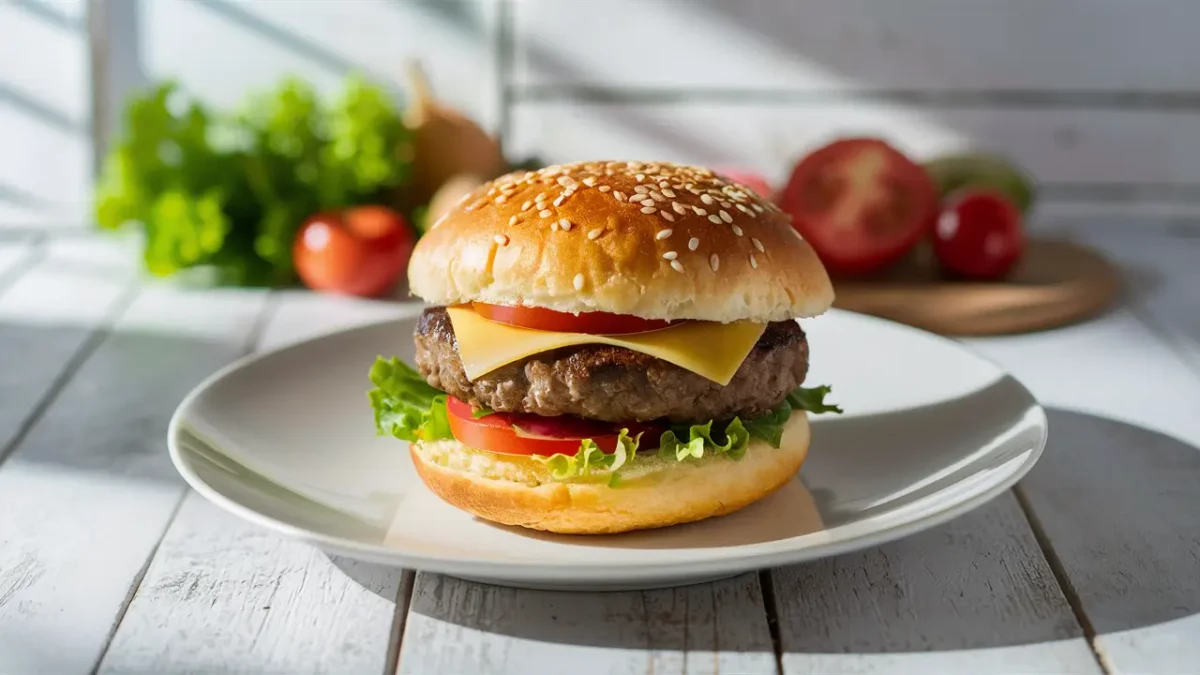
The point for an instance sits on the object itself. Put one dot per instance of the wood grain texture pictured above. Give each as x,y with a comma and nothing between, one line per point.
89,491
1056,145
226,596
1117,501
855,44
459,626
974,595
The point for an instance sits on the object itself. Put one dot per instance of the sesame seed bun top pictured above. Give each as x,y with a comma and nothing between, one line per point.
648,239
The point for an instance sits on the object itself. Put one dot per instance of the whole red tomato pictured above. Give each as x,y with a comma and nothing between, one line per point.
860,203
362,250
978,235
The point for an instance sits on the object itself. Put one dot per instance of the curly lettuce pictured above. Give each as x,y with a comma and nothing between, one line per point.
408,408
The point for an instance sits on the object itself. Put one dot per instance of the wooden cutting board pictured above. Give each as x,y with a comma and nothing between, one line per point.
1055,283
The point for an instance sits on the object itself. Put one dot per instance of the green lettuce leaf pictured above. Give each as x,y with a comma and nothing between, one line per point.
590,461
405,405
731,442
813,400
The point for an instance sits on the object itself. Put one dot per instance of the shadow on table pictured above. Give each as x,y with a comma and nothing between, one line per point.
1118,504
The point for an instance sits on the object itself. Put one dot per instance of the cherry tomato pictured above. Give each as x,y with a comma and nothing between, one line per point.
362,251
861,204
594,323
518,434
978,235
753,180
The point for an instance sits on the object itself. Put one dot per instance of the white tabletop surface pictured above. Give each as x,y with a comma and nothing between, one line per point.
109,564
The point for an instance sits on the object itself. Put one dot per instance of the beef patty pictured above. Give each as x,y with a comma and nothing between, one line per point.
613,383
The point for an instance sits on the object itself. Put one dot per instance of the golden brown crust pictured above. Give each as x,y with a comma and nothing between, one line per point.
516,491
678,243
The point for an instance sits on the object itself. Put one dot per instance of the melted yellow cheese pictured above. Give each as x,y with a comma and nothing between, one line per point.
711,350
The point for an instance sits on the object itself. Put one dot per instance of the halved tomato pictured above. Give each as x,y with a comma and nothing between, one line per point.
594,323
861,204
520,434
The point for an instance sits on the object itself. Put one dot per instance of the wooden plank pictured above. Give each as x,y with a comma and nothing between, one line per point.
1100,146
1116,499
89,490
226,596
974,595
857,44
459,626
248,600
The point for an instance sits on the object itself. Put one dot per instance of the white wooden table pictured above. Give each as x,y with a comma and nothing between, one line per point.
108,563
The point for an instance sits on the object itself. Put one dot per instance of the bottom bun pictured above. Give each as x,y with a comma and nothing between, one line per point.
516,490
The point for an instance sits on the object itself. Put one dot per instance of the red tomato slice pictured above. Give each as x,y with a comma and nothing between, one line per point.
595,323
515,434
979,235
860,203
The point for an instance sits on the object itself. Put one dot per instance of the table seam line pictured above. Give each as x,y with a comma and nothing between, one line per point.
1059,572
771,608
404,595
97,336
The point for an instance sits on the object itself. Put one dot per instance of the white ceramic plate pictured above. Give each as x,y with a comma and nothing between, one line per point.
286,440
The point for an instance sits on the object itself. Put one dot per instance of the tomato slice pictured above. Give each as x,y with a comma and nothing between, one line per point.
520,434
594,323
861,204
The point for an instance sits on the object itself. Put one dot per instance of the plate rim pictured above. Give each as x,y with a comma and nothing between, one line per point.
517,570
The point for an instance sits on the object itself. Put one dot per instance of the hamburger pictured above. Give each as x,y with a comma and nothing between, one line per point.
609,346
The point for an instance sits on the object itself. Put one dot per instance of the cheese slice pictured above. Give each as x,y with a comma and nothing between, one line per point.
711,350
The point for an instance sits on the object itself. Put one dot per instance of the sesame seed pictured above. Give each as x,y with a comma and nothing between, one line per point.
670,255
679,208
512,220
676,265
757,244
699,211
501,199
526,205
540,198
640,177
565,225
666,216
604,188
579,281
595,234
565,181
663,234
657,196
469,207
619,195
707,199
757,207
554,226
589,181
693,244
743,209
545,213
559,200
663,184
714,219
737,230
753,262
669,192
726,204
500,239
725,216
641,189
714,262
648,209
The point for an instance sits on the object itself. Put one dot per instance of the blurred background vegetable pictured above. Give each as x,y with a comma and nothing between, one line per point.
228,191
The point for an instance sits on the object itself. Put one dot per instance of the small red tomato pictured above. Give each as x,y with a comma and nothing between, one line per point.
978,235
363,251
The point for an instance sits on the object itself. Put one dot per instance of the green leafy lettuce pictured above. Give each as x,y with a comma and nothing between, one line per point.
226,191
405,405
409,409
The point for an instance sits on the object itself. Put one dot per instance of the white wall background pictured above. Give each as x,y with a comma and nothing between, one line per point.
1099,98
